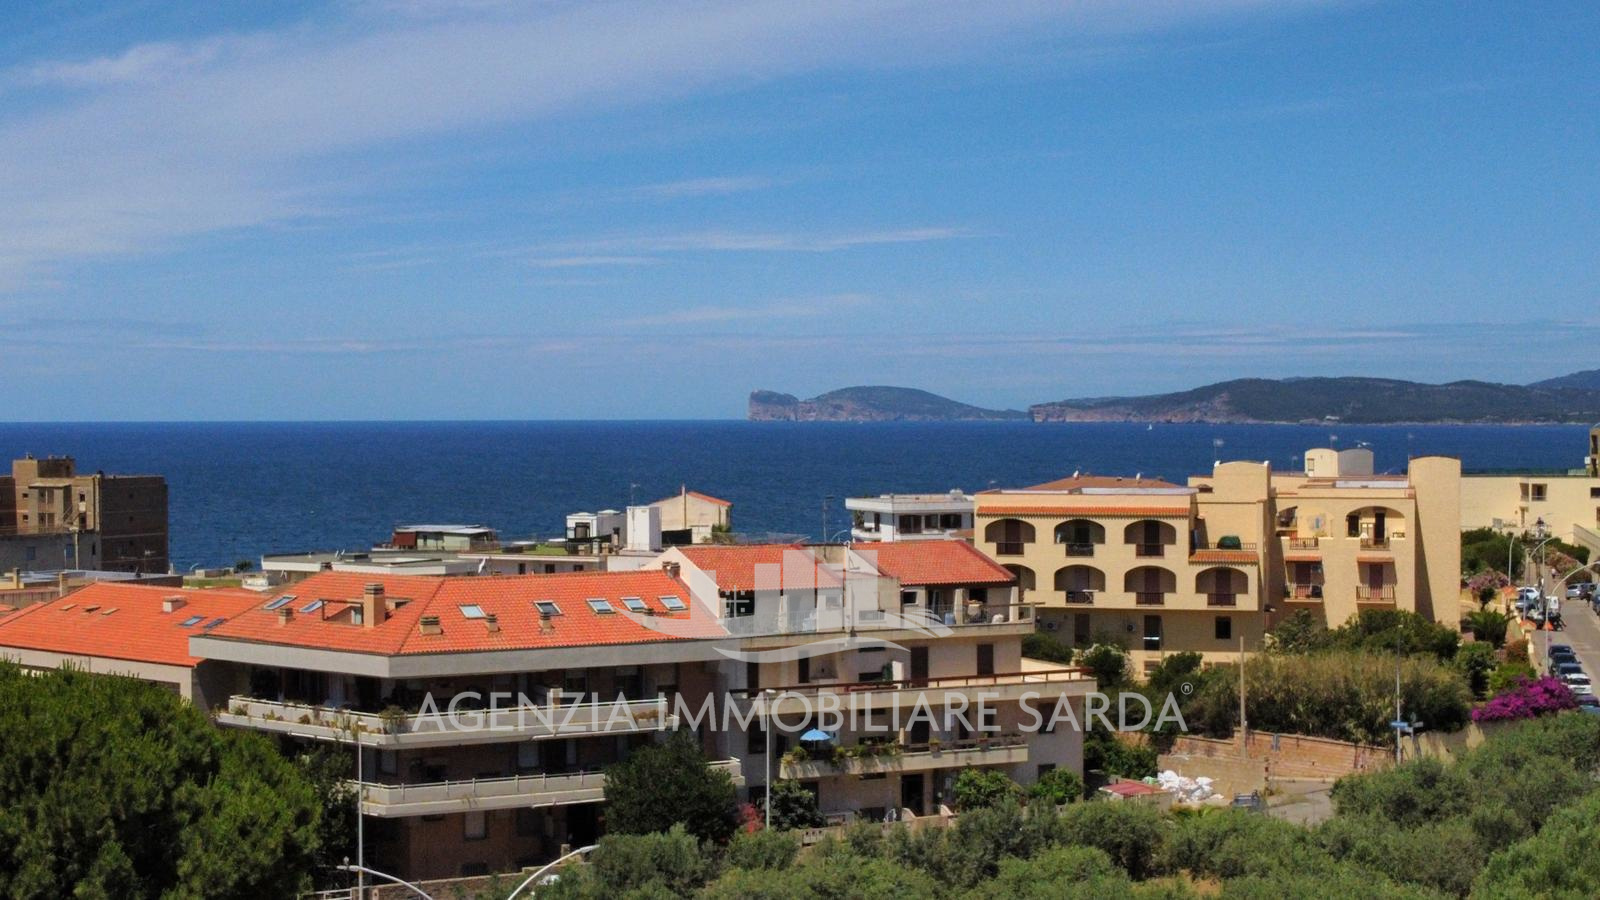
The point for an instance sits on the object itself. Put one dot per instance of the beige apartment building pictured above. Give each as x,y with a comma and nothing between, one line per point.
1567,504
690,517
52,517
1205,565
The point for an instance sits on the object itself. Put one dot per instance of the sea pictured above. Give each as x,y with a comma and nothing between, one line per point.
241,489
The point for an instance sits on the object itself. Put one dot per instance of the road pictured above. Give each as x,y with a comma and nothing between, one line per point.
1582,631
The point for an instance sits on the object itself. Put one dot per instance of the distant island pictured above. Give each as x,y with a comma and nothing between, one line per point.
1569,398
871,404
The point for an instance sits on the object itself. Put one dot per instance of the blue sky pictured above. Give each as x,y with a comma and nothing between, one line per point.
584,210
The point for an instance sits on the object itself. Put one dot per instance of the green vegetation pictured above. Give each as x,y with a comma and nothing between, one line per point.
1517,817
1057,787
793,806
1485,549
982,789
669,783
112,787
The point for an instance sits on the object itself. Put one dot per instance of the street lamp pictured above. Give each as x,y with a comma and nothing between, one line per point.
768,724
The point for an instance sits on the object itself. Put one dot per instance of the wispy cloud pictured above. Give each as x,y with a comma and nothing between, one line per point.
582,262
714,315
159,142
756,241
697,187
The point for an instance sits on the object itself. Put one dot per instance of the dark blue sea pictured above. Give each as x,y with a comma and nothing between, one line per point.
242,489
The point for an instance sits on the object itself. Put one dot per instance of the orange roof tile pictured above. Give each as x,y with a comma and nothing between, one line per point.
1373,558
749,567
710,499
117,620
509,598
1137,512
934,562
1302,557
1080,482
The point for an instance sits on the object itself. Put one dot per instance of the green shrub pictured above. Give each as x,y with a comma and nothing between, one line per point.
824,877
793,806
672,782
1061,872
1560,861
1057,787
1475,662
1132,834
1105,752
1046,646
980,788
1229,843
1108,662
762,849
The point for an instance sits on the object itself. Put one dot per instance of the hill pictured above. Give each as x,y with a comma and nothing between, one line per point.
875,403
1579,381
1360,400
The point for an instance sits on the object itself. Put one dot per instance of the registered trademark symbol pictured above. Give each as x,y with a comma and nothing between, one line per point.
1187,688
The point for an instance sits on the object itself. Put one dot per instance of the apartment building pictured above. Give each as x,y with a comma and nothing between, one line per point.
1566,504
1206,565
866,629
910,517
52,517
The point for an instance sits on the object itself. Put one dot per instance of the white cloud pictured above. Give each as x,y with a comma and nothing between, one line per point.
698,187
165,141
578,262
755,241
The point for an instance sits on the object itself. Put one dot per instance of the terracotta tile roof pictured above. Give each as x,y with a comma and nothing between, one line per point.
1302,557
695,494
1080,482
934,562
117,620
1374,558
749,567
1132,789
1136,512
1224,556
509,598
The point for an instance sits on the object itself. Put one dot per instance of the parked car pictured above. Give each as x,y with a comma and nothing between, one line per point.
1251,801
1580,685
1561,648
1567,669
1557,660
1589,702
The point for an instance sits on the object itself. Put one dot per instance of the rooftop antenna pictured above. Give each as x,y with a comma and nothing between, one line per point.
633,488
1075,472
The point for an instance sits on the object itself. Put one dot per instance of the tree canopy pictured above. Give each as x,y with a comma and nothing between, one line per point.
113,787
668,783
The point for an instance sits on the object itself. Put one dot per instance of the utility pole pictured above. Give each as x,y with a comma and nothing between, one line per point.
1399,723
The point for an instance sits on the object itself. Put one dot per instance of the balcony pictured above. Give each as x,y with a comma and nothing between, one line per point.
1150,598
1222,599
1009,548
1365,594
514,792
1226,544
869,759
1075,549
1080,598
934,692
1302,592
467,726
1149,550
1303,543
1370,542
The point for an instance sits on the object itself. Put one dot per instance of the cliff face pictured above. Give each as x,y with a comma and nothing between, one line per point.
869,404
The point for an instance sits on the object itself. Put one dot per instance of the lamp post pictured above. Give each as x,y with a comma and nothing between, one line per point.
766,709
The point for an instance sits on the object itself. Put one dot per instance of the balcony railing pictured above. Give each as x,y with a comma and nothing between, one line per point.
1080,597
1150,549
467,726
1008,548
1077,549
1302,543
1302,591
1219,599
1150,598
1375,594
516,791
1369,542
1225,545
1032,680
1000,749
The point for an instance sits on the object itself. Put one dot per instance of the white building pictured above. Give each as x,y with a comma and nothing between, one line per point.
910,517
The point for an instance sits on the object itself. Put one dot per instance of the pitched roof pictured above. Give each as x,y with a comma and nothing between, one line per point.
117,620
1106,512
749,567
1247,557
695,494
509,598
934,563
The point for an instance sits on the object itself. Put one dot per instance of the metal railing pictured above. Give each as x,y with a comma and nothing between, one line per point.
1080,597
1222,599
1150,598
1002,679
1364,592
1303,591
1303,543
1150,549
1008,548
1077,549
1369,542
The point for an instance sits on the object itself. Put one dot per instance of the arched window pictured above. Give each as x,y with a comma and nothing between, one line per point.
1150,537
1080,536
1025,576
1222,585
1008,535
1080,583
1150,585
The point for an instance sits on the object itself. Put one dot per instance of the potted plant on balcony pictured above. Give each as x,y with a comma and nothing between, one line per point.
934,745
393,719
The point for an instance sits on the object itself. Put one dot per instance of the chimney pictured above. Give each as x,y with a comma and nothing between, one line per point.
545,625
285,615
62,588
373,609
491,621
325,566
171,604
429,625
672,569
16,579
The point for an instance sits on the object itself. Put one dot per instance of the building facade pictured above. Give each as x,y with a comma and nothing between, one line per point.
51,517
910,517
1566,504
1209,566
690,517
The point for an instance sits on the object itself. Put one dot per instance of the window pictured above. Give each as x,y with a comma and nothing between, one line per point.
209,625
547,607
1224,628
527,755
283,601
190,622
1080,629
758,739
388,762
1537,492
313,606
600,607
908,597
804,665
634,604
529,822
1352,525
985,659
752,676
671,602
471,611
1594,492
1152,632
950,520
